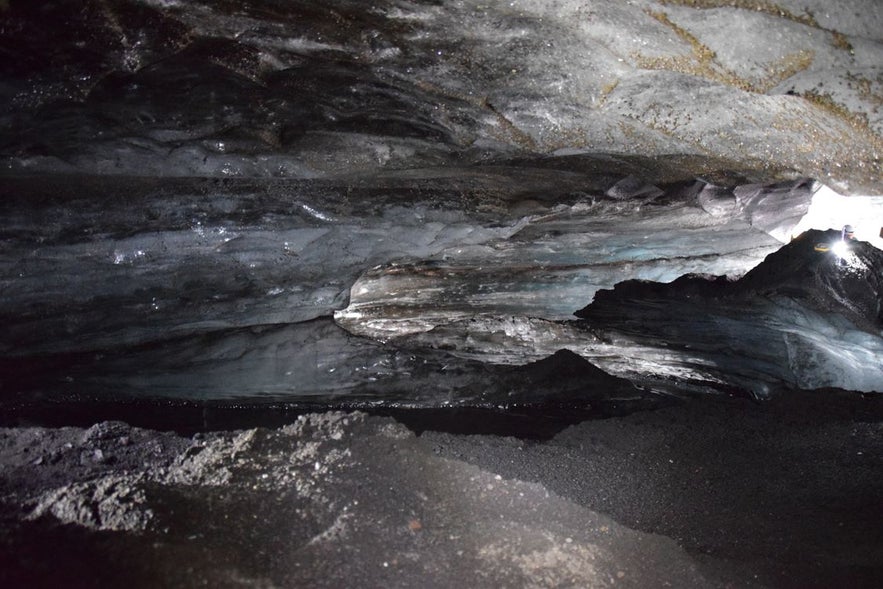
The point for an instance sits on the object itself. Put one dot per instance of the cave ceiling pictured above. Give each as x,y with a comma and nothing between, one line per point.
309,89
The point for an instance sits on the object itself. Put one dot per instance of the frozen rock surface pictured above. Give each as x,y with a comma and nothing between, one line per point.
150,87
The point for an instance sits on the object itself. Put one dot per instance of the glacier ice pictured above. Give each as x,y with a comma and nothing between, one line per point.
212,293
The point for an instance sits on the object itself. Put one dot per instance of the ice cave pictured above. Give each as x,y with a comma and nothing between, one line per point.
441,293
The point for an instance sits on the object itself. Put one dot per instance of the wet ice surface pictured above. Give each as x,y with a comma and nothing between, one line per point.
336,291
337,200
803,318
183,272
552,264
97,264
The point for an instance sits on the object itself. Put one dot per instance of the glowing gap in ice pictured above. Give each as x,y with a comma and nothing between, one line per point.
830,210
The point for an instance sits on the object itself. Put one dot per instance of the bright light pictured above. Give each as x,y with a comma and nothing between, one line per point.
829,210
841,249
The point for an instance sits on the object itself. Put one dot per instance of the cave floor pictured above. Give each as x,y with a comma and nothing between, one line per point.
715,492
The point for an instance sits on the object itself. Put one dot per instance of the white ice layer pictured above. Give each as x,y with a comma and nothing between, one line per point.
825,351
553,266
485,286
110,290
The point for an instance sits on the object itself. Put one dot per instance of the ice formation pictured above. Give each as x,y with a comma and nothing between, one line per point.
207,200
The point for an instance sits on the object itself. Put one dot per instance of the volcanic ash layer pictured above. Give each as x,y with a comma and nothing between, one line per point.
710,493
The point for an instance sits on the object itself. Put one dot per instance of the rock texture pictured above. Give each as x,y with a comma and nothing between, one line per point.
207,89
716,493
328,501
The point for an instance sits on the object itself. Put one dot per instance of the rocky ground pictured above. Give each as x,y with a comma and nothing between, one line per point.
717,492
